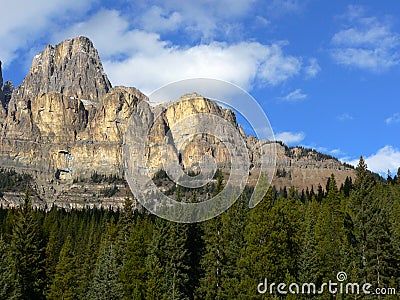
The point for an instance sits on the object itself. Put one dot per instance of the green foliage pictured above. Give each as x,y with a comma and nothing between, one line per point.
289,236
12,181
65,281
134,273
101,178
28,252
7,288
105,283
109,191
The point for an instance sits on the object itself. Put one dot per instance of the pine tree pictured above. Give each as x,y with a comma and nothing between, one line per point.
28,252
308,260
329,233
53,249
134,271
211,261
105,283
7,290
380,254
170,257
125,224
272,238
232,234
65,281
359,202
177,266
88,252
155,281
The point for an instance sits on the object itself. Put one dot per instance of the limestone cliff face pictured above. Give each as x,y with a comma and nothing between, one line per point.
65,121
1,86
72,68
2,100
186,111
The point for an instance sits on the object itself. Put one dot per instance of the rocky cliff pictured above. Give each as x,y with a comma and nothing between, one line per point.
66,122
3,112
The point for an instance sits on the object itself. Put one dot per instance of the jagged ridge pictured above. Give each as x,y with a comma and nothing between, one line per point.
66,121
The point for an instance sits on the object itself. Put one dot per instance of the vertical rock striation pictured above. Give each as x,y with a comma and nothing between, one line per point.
66,121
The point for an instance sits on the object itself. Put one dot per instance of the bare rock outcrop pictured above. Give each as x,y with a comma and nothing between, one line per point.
66,121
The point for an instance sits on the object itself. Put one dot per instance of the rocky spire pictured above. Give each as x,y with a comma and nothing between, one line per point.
8,88
72,68
2,101
1,87
1,76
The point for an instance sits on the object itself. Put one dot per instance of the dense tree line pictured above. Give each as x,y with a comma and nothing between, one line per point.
289,237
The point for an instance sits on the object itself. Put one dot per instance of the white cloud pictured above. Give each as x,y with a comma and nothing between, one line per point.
157,19
366,42
395,118
312,69
294,96
290,137
336,152
386,158
281,7
202,19
142,59
263,21
345,117
24,22
114,41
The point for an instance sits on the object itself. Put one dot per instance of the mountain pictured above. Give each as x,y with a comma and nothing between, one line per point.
65,124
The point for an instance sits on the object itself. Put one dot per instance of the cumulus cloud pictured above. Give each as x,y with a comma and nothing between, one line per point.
156,19
143,59
202,19
386,158
365,42
24,22
395,118
289,137
295,95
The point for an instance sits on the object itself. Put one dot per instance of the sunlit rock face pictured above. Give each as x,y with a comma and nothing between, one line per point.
66,121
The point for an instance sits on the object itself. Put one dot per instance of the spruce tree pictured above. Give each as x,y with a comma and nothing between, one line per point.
105,283
169,257
380,256
308,260
28,252
359,207
134,271
211,262
272,239
64,283
233,223
7,289
329,233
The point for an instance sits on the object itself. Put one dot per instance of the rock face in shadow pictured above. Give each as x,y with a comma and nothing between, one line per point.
3,112
65,121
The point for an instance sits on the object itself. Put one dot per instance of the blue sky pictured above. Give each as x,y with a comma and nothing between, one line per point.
325,72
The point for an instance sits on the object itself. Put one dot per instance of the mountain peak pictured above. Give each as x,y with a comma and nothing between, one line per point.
72,68
2,106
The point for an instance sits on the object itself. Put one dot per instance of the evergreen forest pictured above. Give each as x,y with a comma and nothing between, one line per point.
290,237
